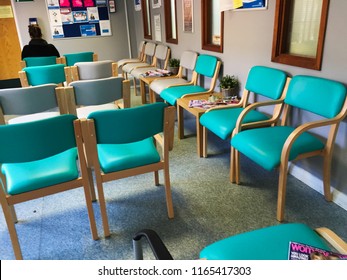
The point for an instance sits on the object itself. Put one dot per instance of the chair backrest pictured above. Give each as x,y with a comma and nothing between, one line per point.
188,60
149,51
317,95
29,100
130,124
266,81
71,58
39,75
208,66
28,141
141,49
94,70
39,61
161,56
97,92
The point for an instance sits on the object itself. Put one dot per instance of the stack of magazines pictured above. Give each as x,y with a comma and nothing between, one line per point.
157,73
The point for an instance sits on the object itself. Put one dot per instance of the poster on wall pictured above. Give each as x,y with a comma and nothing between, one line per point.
78,18
242,5
187,15
137,5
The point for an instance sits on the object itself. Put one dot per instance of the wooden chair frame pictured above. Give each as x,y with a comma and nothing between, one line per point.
92,161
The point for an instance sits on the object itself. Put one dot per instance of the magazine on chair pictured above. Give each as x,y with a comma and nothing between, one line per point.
300,251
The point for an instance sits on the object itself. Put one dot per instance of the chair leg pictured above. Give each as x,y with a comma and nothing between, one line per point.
92,222
156,178
204,142
232,165
13,213
8,214
102,204
282,185
168,194
326,178
237,166
91,184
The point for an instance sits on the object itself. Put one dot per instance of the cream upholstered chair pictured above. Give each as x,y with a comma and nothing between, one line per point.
91,70
277,145
187,64
86,96
125,143
148,59
38,159
27,104
140,58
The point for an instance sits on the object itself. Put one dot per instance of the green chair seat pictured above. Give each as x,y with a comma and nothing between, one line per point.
270,243
222,122
116,157
270,141
171,94
33,175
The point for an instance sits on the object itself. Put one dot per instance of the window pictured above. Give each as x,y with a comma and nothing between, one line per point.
146,17
212,26
170,21
299,32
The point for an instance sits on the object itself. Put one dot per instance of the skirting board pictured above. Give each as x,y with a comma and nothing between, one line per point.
317,184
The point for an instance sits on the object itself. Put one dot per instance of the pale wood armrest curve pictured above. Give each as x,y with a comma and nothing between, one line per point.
251,107
336,241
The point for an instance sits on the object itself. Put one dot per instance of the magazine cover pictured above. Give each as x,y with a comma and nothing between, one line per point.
299,251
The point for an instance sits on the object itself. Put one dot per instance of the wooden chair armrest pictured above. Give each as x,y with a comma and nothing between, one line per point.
253,106
333,239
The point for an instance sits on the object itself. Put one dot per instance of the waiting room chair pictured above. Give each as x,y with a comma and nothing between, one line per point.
116,152
140,58
91,70
160,61
38,159
147,59
187,63
26,104
39,61
86,96
70,59
207,66
268,243
39,75
265,82
276,146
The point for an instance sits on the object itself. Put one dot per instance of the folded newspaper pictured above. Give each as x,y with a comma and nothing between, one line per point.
300,251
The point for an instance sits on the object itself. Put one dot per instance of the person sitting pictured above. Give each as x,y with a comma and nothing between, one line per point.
38,46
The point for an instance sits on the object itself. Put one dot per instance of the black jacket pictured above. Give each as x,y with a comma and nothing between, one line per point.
39,47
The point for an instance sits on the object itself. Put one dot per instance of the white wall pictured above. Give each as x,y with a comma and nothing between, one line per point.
112,47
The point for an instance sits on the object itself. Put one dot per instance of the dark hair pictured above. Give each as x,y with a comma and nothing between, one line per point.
35,31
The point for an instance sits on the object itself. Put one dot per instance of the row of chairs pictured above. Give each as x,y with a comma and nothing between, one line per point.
79,98
64,75
38,158
67,59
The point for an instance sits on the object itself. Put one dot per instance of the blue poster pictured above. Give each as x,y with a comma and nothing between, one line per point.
88,30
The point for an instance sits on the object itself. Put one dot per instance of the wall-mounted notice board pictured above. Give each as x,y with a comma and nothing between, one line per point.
78,18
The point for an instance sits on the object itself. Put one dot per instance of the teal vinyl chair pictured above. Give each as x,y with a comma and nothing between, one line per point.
207,66
26,104
39,75
263,82
123,143
272,243
39,61
70,59
86,96
275,146
37,159
268,243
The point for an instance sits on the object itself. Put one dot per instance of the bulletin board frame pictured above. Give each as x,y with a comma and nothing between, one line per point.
78,18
